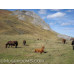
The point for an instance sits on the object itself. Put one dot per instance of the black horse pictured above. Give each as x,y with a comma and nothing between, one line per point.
73,44
24,42
12,43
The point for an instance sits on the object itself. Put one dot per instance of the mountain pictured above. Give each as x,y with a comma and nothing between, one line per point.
24,22
33,18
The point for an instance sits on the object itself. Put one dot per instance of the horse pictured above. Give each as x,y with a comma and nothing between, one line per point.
12,43
64,41
40,50
24,42
72,44
38,39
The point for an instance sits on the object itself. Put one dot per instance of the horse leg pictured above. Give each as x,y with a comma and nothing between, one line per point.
11,45
8,46
41,52
15,46
64,42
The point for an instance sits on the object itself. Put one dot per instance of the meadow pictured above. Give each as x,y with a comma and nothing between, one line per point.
56,51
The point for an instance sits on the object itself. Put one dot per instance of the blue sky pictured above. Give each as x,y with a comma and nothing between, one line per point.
60,20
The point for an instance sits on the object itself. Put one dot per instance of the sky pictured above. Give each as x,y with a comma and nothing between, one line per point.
59,20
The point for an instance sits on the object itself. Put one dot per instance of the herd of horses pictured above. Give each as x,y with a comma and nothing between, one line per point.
13,43
40,50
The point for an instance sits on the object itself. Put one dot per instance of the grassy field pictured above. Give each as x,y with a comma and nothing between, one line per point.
57,52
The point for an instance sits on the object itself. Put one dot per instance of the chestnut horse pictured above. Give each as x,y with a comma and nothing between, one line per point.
64,41
40,50
12,43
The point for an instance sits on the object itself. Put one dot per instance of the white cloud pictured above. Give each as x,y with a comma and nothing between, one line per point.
64,24
42,11
56,15
71,22
68,28
69,10
55,9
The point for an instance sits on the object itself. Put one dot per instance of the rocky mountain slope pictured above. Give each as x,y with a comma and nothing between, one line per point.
23,22
33,18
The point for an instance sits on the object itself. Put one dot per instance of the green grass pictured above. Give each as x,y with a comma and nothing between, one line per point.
57,53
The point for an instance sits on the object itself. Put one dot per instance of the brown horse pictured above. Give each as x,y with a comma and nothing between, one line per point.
12,43
64,41
24,42
40,50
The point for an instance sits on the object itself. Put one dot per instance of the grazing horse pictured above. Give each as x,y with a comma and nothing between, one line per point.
38,39
72,44
24,42
64,41
12,43
40,50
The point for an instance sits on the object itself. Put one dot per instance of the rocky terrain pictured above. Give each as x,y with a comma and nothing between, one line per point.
34,18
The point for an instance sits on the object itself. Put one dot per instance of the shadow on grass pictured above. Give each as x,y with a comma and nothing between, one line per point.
45,52
19,47
26,45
